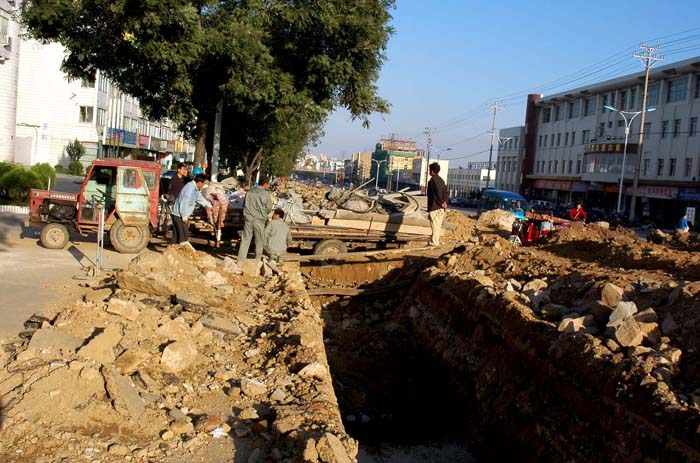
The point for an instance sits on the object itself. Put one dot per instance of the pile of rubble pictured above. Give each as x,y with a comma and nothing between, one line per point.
180,357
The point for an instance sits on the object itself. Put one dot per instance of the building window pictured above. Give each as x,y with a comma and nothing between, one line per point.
539,141
87,82
647,128
571,165
610,124
676,127
558,112
566,138
589,106
101,116
86,113
693,126
664,128
697,85
605,103
558,139
688,167
574,109
555,166
546,115
645,168
653,94
545,141
633,98
660,168
601,130
585,136
620,123
677,90
573,138
672,167
551,140
623,99
578,166
549,167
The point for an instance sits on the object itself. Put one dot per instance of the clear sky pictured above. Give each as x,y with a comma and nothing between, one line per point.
448,58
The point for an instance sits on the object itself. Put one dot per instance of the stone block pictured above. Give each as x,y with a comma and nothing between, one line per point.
175,330
125,309
179,356
125,397
611,295
130,361
221,324
101,347
626,331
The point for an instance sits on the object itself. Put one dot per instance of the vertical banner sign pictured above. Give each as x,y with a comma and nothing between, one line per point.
691,215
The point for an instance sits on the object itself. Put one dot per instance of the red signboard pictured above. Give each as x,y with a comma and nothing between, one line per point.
563,185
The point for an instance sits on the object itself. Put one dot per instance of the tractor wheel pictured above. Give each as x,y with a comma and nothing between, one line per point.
330,247
129,239
54,236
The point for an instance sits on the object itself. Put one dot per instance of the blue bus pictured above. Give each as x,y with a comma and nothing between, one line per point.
506,200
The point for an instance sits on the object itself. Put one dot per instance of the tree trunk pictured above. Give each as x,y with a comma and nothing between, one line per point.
251,168
200,148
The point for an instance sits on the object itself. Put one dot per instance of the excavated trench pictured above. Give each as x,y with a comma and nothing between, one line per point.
429,365
396,398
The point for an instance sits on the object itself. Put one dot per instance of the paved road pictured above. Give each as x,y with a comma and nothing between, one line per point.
68,183
34,279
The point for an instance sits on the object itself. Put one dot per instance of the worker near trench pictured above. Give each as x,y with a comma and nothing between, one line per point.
184,206
278,236
437,202
256,208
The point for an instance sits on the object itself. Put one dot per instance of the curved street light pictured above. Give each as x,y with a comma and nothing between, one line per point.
376,179
628,122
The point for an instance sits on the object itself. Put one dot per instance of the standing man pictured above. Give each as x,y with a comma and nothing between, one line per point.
437,202
184,206
683,226
578,214
258,204
177,182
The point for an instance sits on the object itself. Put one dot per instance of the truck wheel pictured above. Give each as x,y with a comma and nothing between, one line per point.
330,247
54,236
129,239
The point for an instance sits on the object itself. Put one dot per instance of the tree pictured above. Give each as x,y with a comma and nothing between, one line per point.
262,57
75,150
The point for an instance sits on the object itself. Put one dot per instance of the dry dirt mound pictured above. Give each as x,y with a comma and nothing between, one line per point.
179,358
496,219
579,231
464,227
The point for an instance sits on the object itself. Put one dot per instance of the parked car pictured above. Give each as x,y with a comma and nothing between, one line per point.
506,200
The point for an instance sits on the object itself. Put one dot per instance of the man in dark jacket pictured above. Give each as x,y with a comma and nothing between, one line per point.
177,182
437,202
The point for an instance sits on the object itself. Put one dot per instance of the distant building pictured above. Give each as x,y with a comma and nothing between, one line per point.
361,166
418,177
391,157
510,158
574,145
470,181
9,65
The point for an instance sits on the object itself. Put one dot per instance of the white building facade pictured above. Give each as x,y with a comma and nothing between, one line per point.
576,149
509,161
470,181
9,66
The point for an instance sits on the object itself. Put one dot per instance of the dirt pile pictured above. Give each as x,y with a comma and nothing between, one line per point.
578,231
178,358
313,196
497,219
461,228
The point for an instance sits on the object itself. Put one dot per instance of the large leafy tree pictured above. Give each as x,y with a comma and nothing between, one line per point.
266,59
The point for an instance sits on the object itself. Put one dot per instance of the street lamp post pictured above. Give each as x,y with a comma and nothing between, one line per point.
628,122
442,151
376,178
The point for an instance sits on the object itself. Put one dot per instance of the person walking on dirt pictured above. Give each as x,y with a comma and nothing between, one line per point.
184,206
437,202
257,206
577,214
278,236
177,182
683,226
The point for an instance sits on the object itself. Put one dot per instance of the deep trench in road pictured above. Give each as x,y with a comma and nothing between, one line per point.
397,399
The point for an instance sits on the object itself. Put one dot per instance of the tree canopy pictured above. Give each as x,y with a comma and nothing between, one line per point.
279,66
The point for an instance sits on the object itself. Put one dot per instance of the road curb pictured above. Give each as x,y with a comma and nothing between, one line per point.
7,209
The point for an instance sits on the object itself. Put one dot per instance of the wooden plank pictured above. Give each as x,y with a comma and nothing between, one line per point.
411,219
380,226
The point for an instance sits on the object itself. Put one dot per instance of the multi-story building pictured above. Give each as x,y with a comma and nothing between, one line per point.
470,181
361,166
418,178
46,110
391,157
574,144
9,65
510,158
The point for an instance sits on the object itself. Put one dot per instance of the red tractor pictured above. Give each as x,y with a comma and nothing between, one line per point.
128,192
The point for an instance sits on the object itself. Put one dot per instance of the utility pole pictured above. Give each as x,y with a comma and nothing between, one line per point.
429,131
648,58
495,106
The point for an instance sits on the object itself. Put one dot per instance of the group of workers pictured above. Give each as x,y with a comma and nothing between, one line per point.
271,237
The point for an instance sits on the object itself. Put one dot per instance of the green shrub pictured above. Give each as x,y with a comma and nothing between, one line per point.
5,167
16,183
59,168
44,171
75,168
75,150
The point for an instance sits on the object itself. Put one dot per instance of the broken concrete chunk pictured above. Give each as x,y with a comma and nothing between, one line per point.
626,331
535,285
53,342
331,449
253,387
214,278
221,324
313,370
622,310
646,316
147,285
175,330
101,347
178,356
578,325
130,361
126,309
125,397
611,295
97,296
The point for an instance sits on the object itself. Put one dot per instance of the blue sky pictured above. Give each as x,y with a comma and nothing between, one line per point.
449,58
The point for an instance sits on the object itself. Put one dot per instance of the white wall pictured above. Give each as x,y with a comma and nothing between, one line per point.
8,87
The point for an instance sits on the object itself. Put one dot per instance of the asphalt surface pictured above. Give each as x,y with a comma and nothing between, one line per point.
34,279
